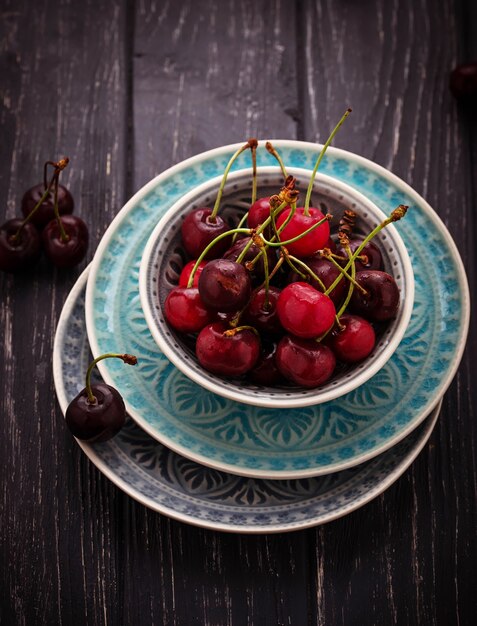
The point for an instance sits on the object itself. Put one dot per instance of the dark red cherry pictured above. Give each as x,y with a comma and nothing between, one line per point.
224,285
18,253
304,311
370,257
227,352
45,213
99,421
199,229
299,223
327,272
305,362
70,252
185,311
381,301
463,83
187,271
261,311
265,372
355,341
258,271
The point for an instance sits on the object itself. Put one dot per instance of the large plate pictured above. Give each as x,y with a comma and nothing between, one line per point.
192,493
281,443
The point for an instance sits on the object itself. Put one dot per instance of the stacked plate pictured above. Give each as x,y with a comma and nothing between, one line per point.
214,462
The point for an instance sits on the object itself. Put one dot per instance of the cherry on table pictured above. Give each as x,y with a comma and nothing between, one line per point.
68,248
45,213
20,245
98,412
228,352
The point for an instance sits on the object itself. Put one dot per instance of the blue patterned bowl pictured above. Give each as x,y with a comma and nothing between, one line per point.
164,257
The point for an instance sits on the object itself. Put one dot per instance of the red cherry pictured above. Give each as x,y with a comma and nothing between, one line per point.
45,213
258,212
18,253
224,285
187,271
463,83
299,223
327,272
100,421
70,252
355,341
305,362
304,311
261,311
258,271
185,311
370,257
224,354
265,371
199,229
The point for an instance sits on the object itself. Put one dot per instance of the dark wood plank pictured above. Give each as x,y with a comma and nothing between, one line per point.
63,80
405,558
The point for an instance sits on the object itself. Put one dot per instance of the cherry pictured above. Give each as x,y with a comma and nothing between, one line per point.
98,412
305,362
381,300
327,273
301,221
224,285
199,229
186,272
304,311
185,311
354,341
19,245
67,248
265,372
370,257
261,311
258,270
258,212
463,83
45,213
226,352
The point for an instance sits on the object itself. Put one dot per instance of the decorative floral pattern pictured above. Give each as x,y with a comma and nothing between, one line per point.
181,488
324,438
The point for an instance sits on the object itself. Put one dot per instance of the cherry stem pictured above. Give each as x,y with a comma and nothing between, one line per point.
233,331
239,225
308,271
35,208
245,231
330,258
215,210
130,359
63,234
351,286
253,149
273,151
320,158
396,215
276,244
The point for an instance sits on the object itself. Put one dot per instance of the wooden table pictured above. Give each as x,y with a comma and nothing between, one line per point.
126,90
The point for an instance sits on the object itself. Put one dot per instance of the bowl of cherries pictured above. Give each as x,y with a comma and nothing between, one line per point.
277,287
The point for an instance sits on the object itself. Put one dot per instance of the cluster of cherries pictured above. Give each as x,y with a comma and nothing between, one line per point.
278,299
47,224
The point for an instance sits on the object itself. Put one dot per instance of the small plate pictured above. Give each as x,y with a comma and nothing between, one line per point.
184,490
280,443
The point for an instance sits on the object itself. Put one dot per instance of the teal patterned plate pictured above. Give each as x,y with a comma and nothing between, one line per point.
280,443
187,491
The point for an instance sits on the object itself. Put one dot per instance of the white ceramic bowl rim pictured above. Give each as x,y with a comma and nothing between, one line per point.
240,393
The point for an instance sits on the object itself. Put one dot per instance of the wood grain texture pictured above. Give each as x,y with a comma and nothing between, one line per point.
126,90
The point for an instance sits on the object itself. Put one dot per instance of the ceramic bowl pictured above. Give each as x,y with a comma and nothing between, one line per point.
164,258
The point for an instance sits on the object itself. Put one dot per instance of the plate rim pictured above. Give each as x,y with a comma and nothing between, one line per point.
338,153
148,502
